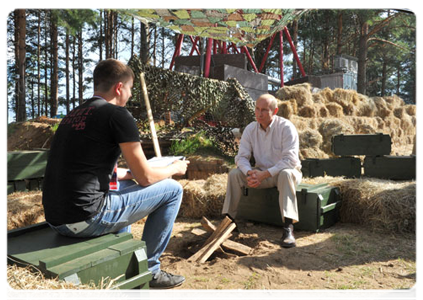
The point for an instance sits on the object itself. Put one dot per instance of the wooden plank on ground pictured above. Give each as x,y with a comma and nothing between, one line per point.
228,244
215,243
224,224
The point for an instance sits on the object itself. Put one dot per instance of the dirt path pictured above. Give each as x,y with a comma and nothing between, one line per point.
345,256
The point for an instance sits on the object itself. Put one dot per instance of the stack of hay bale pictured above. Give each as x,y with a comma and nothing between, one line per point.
319,116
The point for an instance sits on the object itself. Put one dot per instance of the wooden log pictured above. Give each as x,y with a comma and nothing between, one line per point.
215,243
228,244
224,224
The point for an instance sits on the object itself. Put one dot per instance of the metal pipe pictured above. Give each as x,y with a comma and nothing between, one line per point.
208,58
224,50
263,61
281,56
194,45
177,50
250,59
300,66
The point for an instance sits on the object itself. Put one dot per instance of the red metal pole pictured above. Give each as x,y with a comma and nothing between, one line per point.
224,50
267,53
214,46
281,56
235,49
194,45
300,66
208,58
177,50
250,59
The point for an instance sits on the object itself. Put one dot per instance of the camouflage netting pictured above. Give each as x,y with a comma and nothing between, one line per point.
189,97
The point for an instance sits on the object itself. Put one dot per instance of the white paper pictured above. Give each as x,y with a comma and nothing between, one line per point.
164,160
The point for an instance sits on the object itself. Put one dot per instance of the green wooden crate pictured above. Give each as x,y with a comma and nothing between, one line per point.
361,144
81,260
26,164
344,166
318,206
390,167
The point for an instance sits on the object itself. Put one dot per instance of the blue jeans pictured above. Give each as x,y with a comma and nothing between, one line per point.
132,202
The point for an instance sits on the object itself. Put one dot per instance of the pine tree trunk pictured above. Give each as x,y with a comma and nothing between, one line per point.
383,88
362,57
144,43
339,35
80,69
20,15
38,65
67,41
55,73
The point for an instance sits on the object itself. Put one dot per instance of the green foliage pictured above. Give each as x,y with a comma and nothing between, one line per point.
190,145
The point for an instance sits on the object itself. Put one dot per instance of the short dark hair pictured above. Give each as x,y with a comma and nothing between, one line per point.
109,72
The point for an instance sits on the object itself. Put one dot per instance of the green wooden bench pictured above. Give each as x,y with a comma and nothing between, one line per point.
25,170
115,256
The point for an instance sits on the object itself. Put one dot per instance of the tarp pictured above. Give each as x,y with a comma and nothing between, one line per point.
244,27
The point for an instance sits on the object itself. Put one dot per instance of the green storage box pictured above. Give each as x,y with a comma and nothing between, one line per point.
318,206
344,166
361,144
25,170
115,256
390,167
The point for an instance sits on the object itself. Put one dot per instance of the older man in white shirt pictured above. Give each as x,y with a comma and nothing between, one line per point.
274,144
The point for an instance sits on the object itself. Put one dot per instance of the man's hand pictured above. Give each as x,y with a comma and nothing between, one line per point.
180,166
255,177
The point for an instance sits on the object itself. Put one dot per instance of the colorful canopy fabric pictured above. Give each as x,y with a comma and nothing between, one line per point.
244,27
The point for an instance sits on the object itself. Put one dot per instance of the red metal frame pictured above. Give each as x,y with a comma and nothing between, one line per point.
224,48
281,56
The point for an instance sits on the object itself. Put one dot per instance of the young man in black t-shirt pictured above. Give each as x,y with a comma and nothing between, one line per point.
76,196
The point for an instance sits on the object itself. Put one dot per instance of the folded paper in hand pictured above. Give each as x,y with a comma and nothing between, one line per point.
164,160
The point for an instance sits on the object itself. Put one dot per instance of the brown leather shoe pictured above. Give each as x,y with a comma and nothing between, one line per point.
288,239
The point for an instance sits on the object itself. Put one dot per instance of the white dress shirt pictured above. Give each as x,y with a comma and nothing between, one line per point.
274,149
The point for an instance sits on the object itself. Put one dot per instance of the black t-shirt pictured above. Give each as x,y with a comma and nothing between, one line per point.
82,156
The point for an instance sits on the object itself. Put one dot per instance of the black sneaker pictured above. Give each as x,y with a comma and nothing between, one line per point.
164,280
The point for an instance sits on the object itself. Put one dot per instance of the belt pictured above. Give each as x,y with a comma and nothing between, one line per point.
77,227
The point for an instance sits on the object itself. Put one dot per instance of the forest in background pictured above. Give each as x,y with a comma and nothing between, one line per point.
51,53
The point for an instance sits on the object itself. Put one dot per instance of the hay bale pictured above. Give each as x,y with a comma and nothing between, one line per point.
393,101
310,138
366,107
318,98
410,109
287,108
24,209
363,125
382,109
347,99
335,110
407,125
327,95
312,152
300,123
203,197
331,127
399,112
21,283
381,205
322,111
194,199
307,111
300,92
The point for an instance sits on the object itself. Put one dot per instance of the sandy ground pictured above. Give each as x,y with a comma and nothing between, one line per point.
344,256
